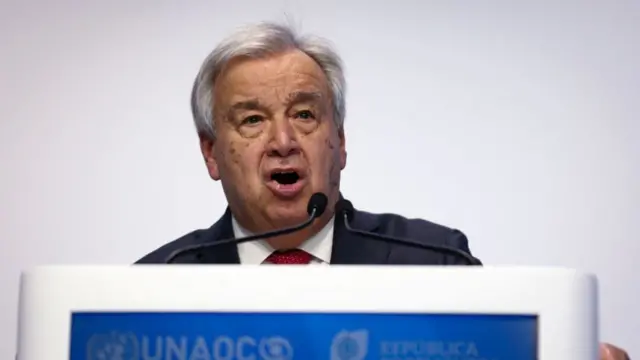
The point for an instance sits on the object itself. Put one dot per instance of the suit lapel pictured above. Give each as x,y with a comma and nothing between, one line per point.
223,254
349,248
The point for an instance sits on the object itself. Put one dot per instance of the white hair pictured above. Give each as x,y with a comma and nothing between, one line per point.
257,41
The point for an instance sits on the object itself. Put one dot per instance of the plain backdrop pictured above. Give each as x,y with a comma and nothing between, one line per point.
516,122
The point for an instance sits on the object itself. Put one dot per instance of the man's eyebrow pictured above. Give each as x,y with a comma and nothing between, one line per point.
303,96
293,98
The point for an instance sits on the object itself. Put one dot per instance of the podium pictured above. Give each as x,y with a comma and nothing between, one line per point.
278,312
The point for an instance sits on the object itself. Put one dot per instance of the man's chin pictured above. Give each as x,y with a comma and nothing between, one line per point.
288,214
289,217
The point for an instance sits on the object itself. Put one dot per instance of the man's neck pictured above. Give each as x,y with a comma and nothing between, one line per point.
293,240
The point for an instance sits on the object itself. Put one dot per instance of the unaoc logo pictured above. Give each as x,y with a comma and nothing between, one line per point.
113,346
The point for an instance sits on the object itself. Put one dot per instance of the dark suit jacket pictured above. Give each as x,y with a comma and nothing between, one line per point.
348,248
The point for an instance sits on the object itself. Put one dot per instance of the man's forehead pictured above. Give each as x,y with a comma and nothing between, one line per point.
291,76
254,102
289,86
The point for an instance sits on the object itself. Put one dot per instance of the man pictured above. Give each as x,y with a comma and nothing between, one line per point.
269,108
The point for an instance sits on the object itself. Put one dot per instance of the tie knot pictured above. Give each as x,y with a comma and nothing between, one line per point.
287,257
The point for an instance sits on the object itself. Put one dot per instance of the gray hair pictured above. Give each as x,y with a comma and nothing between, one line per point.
256,41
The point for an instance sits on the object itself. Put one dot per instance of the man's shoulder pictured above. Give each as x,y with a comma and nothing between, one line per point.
160,255
416,230
396,223
389,224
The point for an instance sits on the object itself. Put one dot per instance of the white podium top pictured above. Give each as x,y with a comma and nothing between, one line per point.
562,301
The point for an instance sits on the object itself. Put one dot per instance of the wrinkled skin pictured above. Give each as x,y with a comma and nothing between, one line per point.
275,112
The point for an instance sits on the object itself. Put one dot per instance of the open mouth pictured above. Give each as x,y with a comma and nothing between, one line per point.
285,177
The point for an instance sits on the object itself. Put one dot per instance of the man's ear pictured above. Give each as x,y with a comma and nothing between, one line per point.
209,155
343,149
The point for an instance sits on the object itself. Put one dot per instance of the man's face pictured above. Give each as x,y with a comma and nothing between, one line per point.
276,140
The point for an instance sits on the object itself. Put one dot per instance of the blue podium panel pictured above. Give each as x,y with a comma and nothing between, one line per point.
301,336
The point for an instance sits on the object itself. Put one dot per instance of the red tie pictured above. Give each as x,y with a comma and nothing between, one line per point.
289,257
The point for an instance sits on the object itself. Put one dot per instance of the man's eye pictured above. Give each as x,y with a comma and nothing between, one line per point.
252,120
305,115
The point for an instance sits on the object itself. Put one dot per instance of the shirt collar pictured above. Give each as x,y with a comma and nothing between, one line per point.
256,252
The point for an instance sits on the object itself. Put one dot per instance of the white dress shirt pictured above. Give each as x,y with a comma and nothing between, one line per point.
257,252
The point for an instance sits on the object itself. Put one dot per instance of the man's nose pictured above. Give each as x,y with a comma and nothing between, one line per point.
284,140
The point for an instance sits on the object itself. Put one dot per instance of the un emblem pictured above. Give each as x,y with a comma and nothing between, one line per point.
275,348
350,345
113,346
